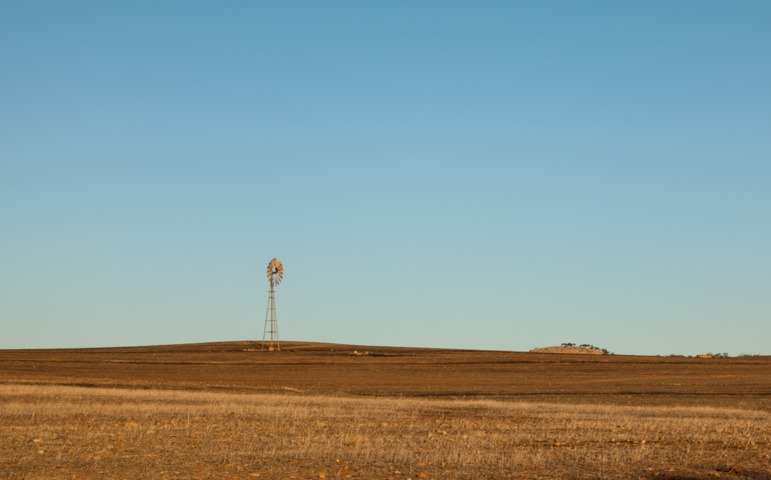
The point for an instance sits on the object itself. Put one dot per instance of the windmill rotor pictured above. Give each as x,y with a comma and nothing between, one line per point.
275,272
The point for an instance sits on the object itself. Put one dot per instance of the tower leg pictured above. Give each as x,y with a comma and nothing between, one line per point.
270,331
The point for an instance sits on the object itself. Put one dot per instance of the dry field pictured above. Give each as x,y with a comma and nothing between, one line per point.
331,411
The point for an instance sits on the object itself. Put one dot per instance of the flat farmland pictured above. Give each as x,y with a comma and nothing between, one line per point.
229,410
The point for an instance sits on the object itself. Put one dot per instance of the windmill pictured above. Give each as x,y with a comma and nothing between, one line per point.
275,274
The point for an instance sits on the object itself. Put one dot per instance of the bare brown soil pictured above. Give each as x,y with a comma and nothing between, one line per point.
421,413
316,368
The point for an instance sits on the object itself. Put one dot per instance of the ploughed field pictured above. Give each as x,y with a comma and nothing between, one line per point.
230,410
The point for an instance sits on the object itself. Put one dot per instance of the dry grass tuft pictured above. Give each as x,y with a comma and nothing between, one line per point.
72,432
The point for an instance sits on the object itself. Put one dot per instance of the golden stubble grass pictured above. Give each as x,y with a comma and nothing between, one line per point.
73,432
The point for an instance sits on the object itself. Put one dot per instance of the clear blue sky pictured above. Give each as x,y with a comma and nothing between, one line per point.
493,175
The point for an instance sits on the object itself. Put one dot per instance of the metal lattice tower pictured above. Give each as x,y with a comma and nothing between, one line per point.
270,332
